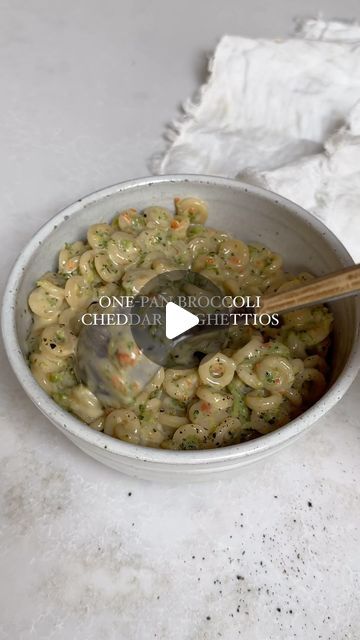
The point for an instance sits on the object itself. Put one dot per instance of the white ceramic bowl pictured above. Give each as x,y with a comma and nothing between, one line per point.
247,212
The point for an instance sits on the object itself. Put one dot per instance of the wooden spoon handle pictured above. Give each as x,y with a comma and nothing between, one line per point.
331,287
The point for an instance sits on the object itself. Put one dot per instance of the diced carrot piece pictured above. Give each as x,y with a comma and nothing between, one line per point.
118,383
125,359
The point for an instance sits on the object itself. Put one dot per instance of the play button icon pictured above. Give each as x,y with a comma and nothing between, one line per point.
178,320
168,306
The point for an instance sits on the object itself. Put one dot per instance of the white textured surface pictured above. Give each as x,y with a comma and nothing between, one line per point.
88,87
326,183
285,114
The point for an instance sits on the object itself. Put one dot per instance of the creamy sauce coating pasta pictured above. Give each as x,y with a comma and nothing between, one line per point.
264,376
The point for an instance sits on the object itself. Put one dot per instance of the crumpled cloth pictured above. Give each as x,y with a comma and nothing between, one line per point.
283,114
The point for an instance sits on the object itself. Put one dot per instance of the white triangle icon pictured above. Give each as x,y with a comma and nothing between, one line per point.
178,320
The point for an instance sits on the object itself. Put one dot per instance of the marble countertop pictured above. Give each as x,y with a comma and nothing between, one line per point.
85,552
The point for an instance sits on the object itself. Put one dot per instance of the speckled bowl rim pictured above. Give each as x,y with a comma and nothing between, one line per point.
65,421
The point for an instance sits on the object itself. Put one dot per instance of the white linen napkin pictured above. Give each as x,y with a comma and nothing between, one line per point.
284,114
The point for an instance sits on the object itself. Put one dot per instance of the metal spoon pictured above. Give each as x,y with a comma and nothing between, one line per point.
117,383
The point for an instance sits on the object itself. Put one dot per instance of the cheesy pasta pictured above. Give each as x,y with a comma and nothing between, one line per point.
261,379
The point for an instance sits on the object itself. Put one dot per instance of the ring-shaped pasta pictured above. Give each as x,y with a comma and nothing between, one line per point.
87,266
79,293
98,235
109,289
71,319
274,263
311,384
171,421
181,384
294,396
208,262
152,435
135,279
42,367
42,378
150,389
122,250
40,323
98,423
179,227
313,336
297,365
43,304
296,345
275,373
250,350
298,319
69,257
259,403
218,399
84,403
163,265
130,221
226,433
235,253
190,436
179,252
192,208
57,341
157,217
124,425
206,414
151,239
53,284
315,362
201,245
217,370
248,376
107,270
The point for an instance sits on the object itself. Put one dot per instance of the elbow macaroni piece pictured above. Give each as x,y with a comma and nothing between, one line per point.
263,377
